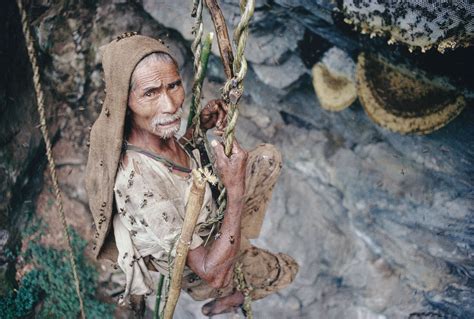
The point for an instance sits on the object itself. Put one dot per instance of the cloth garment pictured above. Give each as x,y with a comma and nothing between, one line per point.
264,272
151,208
151,203
119,60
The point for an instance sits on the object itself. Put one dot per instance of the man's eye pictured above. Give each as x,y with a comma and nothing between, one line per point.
149,93
174,85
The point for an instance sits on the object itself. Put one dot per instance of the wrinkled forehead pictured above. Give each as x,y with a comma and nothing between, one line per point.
156,66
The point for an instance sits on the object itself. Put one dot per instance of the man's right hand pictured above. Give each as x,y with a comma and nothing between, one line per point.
231,169
215,263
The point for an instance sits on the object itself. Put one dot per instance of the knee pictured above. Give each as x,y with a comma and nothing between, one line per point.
269,154
290,265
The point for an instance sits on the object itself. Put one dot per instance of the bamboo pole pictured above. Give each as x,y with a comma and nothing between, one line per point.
199,77
159,290
196,198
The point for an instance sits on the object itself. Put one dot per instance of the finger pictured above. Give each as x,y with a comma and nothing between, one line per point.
221,118
236,148
208,121
210,107
210,116
223,105
205,116
218,149
205,112
214,105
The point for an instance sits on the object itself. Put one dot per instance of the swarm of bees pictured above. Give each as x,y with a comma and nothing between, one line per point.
418,24
126,35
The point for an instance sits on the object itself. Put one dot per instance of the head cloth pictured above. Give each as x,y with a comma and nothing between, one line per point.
120,58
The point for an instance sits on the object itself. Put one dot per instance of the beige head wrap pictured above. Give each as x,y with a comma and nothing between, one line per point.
119,61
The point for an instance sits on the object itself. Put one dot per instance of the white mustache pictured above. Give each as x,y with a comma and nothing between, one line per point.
166,119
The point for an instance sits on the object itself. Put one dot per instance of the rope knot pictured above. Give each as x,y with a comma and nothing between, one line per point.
235,94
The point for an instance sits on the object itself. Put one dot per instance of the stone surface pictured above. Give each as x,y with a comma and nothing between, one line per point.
380,223
339,64
282,76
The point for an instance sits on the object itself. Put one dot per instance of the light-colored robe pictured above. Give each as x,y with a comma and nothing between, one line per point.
151,205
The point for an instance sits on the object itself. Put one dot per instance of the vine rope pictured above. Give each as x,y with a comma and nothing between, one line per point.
233,88
196,48
232,91
44,130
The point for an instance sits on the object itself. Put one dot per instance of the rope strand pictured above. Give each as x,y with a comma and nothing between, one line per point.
44,130
233,88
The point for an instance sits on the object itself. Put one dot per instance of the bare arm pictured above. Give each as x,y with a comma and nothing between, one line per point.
214,264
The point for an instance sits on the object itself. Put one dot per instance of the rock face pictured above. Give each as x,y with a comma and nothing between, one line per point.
380,223
20,140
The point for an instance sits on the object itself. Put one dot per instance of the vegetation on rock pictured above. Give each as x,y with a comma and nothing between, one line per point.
48,289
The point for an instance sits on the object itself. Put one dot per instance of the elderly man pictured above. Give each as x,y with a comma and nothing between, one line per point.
138,181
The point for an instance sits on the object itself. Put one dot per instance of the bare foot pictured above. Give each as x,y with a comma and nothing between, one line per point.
223,305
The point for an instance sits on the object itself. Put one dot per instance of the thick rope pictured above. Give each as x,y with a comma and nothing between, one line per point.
233,88
196,48
44,131
242,286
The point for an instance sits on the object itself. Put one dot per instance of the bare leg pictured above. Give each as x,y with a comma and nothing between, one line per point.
263,169
223,305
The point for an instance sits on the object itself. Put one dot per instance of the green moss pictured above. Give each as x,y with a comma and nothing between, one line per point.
51,286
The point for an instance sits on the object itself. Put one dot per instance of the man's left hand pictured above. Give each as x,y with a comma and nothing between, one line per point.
213,115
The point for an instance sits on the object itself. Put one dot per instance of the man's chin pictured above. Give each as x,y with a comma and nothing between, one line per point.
167,134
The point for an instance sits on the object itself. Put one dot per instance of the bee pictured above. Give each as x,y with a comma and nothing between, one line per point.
143,222
148,194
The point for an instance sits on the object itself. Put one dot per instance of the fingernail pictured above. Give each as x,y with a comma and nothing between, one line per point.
213,143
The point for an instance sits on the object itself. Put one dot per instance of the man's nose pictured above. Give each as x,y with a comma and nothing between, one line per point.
167,104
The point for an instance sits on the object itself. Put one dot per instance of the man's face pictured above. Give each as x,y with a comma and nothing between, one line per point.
156,98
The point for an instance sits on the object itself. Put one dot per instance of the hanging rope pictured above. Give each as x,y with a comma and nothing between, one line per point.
232,92
233,88
44,130
196,48
242,286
